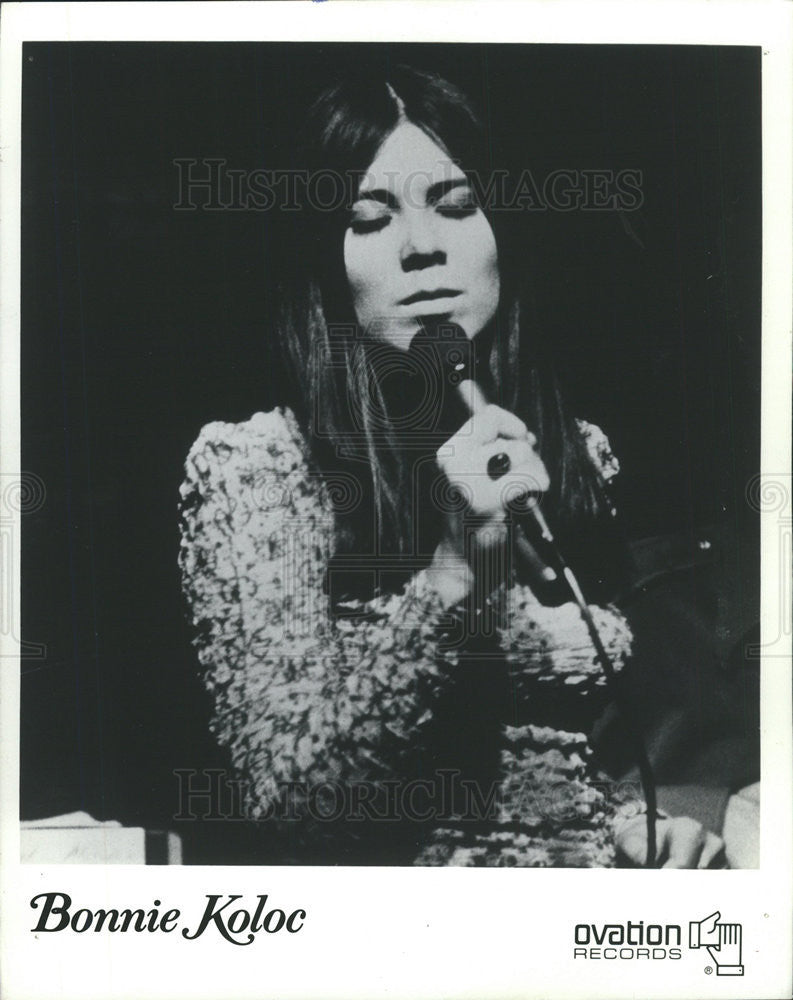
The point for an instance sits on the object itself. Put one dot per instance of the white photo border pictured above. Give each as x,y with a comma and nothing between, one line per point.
406,932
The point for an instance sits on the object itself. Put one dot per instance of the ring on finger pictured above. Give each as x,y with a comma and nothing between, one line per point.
499,465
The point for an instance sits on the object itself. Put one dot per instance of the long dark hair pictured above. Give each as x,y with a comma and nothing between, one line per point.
337,373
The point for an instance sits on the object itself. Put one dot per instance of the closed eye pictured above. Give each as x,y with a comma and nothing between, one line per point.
458,204
456,211
362,226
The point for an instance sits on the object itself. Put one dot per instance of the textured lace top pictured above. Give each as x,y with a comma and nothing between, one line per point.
304,700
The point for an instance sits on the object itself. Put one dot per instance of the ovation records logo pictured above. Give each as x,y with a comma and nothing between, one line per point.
637,940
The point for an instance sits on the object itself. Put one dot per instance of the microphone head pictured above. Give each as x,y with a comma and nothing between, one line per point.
443,356
448,347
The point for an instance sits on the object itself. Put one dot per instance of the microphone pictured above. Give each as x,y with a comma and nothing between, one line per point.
463,369
462,363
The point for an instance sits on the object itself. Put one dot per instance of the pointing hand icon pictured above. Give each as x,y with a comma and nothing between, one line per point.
723,942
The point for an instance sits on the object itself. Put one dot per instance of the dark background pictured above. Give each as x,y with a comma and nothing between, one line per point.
141,323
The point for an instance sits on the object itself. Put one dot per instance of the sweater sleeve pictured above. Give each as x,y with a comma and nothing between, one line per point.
299,699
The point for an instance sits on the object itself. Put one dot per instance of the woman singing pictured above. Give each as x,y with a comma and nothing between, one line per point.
396,671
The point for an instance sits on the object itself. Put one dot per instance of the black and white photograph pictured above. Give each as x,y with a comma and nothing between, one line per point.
260,597
391,483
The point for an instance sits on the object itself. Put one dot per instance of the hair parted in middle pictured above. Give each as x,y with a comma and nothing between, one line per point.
336,377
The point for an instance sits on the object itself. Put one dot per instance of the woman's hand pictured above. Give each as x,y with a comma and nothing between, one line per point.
463,459
682,842
478,502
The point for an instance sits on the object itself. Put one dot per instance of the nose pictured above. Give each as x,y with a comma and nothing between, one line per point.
421,246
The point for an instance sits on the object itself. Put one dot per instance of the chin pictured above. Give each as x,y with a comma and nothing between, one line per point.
472,325
469,325
401,336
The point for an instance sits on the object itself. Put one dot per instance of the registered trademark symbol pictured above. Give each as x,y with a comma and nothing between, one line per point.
708,970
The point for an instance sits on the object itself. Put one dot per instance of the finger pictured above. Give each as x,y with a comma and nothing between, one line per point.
526,472
494,422
712,853
519,450
730,934
632,840
686,840
524,479
518,472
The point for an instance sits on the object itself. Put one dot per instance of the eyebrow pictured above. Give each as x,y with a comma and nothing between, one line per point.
434,192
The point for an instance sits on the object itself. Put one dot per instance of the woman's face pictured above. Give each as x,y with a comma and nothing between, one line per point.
417,244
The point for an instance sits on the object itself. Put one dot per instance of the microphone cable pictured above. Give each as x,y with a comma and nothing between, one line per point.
459,363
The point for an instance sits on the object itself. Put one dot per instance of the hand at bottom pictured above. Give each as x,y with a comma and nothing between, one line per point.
681,842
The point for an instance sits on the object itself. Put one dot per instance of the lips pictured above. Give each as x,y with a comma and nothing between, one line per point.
426,296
